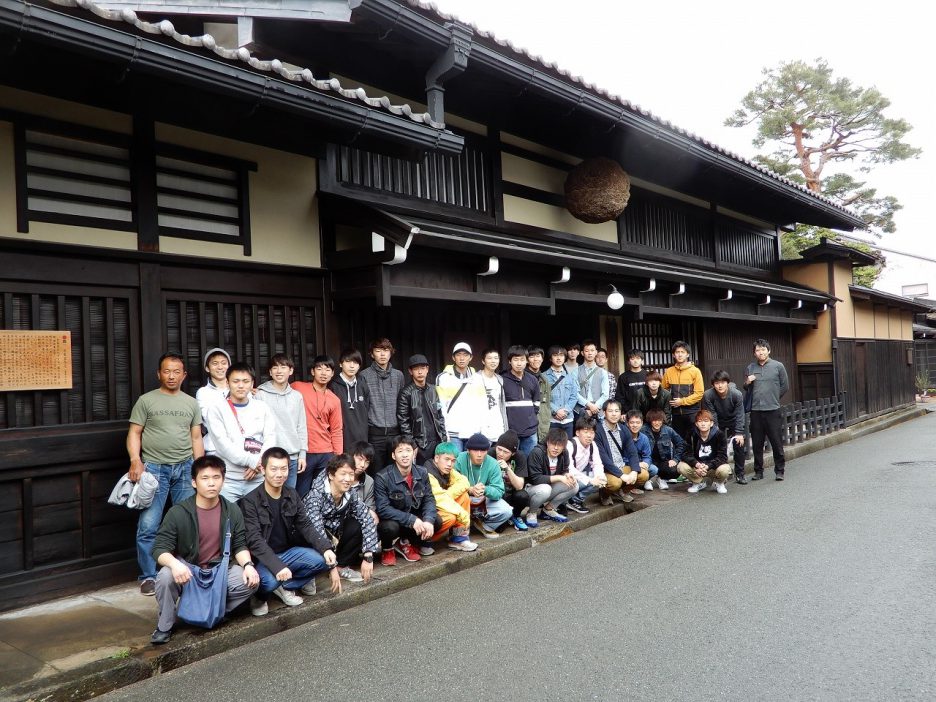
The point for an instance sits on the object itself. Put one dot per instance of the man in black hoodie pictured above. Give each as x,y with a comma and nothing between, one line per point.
354,394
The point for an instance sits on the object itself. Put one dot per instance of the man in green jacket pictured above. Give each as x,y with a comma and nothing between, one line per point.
489,510
193,532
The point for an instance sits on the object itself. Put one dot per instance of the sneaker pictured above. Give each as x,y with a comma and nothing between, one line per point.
148,588
160,637
553,516
258,607
464,545
407,550
426,550
289,598
660,483
680,479
606,500
721,489
518,523
577,506
350,574
623,496
532,521
698,487
648,486
388,557
310,588
483,529
636,491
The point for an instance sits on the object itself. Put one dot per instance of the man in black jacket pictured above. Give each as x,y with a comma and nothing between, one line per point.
419,412
192,533
726,402
279,535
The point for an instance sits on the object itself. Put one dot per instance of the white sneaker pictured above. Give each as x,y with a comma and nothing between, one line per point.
465,545
351,575
426,550
648,486
309,588
258,607
289,598
698,487
662,483
721,489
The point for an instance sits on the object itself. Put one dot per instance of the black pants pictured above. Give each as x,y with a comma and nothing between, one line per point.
766,423
665,472
739,456
350,542
682,424
519,500
381,440
389,531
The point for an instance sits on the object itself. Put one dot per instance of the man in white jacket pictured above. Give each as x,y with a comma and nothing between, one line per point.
241,429
463,401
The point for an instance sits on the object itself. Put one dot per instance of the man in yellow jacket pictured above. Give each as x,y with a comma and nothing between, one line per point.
685,383
450,489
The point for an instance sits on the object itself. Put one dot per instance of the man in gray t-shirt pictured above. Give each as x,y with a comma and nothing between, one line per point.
164,438
766,382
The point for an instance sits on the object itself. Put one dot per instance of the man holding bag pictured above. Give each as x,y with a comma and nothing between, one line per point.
193,532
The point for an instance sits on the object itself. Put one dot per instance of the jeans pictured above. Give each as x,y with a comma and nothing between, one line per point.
459,443
585,491
175,481
293,472
526,444
567,428
304,563
315,464
498,512
235,488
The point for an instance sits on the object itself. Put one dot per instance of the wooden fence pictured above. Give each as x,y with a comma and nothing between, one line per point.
807,420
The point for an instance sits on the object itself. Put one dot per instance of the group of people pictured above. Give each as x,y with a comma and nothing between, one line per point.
324,476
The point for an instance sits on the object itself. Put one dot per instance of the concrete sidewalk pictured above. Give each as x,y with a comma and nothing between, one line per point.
80,647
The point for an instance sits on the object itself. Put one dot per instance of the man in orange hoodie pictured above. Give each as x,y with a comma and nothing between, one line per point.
685,383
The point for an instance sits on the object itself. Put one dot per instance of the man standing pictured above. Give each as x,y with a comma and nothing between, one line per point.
684,381
767,382
463,400
631,381
241,428
418,412
215,389
324,423
281,537
592,383
535,367
385,383
726,402
164,438
354,395
289,410
563,391
193,533
494,409
522,392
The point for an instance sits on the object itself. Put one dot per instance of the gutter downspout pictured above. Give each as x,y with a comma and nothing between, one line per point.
450,64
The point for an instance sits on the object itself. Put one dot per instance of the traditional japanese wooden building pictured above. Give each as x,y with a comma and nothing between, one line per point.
299,176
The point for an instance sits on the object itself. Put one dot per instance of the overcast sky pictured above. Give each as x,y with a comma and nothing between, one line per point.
692,62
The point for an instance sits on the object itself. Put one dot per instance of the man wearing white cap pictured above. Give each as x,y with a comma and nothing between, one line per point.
460,398
215,390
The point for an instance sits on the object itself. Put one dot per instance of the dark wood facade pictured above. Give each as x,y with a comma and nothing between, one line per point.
875,375
62,451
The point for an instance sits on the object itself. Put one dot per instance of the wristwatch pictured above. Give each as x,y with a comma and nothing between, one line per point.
368,558
249,563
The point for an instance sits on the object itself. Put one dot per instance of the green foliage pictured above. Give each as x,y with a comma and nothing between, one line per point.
814,123
921,381
805,236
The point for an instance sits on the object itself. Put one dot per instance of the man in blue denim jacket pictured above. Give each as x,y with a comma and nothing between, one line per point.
668,446
563,391
164,438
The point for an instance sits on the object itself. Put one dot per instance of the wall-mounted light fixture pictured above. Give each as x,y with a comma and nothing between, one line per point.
615,299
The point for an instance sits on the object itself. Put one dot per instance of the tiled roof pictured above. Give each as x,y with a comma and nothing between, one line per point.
206,41
429,10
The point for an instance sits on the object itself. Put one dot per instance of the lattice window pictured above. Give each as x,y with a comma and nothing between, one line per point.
744,246
658,224
100,324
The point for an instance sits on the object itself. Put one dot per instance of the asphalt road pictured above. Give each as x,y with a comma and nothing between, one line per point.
822,587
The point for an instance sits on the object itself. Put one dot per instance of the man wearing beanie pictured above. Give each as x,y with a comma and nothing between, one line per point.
513,467
488,508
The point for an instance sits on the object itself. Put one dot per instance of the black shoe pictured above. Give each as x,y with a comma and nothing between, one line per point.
779,476
758,476
740,480
160,637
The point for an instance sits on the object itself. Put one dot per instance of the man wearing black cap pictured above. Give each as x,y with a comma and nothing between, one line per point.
419,413
514,473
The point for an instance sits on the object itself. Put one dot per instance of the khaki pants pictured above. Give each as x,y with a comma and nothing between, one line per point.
615,483
719,475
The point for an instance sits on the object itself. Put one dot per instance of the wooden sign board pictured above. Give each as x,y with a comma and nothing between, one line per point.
35,360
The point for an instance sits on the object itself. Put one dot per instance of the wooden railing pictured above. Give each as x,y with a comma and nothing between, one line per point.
807,420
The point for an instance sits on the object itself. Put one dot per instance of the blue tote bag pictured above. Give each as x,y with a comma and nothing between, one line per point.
204,597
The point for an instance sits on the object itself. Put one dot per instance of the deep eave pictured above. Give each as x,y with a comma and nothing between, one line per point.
72,34
859,292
